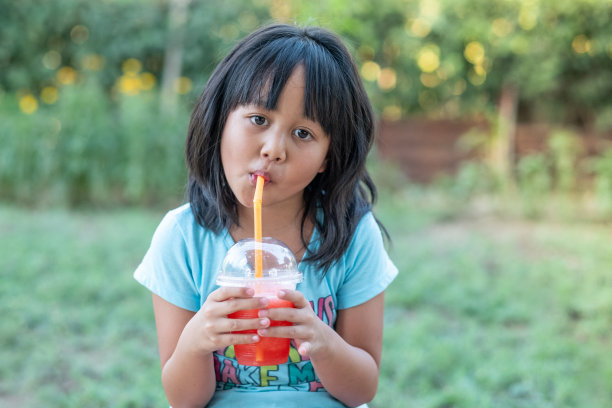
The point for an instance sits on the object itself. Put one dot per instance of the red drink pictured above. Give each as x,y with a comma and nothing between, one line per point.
268,350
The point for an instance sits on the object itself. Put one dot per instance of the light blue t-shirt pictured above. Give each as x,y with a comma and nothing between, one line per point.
181,267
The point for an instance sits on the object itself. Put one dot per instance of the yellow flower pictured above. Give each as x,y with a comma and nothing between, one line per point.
419,27
428,58
49,95
501,27
129,84
182,85
28,104
131,66
66,75
387,79
430,80
147,81
474,52
581,44
370,71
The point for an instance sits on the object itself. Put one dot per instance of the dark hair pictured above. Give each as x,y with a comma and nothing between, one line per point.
255,71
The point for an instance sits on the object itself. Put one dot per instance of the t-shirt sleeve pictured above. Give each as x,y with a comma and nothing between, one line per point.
368,268
165,269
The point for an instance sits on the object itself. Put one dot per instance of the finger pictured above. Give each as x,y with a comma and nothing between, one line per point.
287,314
287,332
236,338
228,292
242,304
233,325
304,349
295,297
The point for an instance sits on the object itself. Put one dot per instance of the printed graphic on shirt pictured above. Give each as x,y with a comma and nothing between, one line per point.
297,375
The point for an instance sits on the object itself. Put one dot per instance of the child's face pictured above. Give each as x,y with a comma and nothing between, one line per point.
282,145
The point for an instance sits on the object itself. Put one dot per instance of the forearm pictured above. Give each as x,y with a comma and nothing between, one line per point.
188,378
348,373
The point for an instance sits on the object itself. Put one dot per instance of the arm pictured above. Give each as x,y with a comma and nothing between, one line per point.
346,360
188,376
187,341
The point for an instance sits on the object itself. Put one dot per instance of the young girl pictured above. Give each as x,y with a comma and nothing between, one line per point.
286,104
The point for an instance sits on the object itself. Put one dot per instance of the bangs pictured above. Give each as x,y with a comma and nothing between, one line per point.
259,78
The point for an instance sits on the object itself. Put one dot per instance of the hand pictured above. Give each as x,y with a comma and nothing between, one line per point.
210,329
308,331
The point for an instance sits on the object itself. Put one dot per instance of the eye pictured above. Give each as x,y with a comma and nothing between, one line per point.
259,120
302,134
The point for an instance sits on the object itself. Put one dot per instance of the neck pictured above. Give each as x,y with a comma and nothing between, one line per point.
283,224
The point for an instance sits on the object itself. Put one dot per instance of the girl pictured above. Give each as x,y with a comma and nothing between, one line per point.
286,104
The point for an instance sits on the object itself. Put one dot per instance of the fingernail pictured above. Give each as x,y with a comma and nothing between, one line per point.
281,293
255,339
262,332
263,301
263,313
250,291
263,322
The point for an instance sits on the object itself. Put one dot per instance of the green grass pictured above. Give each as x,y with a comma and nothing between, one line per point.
486,312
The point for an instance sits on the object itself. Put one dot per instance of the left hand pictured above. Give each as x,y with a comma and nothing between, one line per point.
308,331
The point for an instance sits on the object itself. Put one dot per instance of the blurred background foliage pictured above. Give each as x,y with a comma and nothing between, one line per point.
489,310
95,96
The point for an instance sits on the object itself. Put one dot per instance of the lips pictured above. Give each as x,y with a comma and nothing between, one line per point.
255,174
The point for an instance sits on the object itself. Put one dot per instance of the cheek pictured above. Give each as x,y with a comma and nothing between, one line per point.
231,152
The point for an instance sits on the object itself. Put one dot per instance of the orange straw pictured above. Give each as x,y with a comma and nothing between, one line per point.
258,249
257,215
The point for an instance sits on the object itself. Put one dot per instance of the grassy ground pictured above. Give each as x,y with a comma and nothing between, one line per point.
484,313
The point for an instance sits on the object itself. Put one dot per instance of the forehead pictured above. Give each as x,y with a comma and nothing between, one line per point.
258,75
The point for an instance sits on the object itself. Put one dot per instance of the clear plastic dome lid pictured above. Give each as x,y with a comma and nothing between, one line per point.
279,265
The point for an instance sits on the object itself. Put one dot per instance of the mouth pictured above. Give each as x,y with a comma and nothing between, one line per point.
253,177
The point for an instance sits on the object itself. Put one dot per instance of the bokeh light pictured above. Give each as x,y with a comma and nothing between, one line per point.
52,59
581,44
28,104
387,79
501,27
392,113
430,80
147,81
79,34
370,71
419,27
182,85
428,58
474,52
528,15
131,66
49,95
129,84
93,62
66,75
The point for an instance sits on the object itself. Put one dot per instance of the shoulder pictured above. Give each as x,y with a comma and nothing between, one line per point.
181,216
367,224
179,231
180,220
366,243
367,232
367,268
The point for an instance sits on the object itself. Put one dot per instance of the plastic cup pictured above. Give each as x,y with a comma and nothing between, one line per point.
279,272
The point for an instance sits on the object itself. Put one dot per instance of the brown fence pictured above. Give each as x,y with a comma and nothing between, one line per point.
426,149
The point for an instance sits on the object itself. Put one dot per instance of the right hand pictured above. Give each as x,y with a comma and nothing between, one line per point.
210,329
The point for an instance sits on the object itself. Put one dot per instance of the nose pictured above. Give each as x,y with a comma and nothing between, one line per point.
274,148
